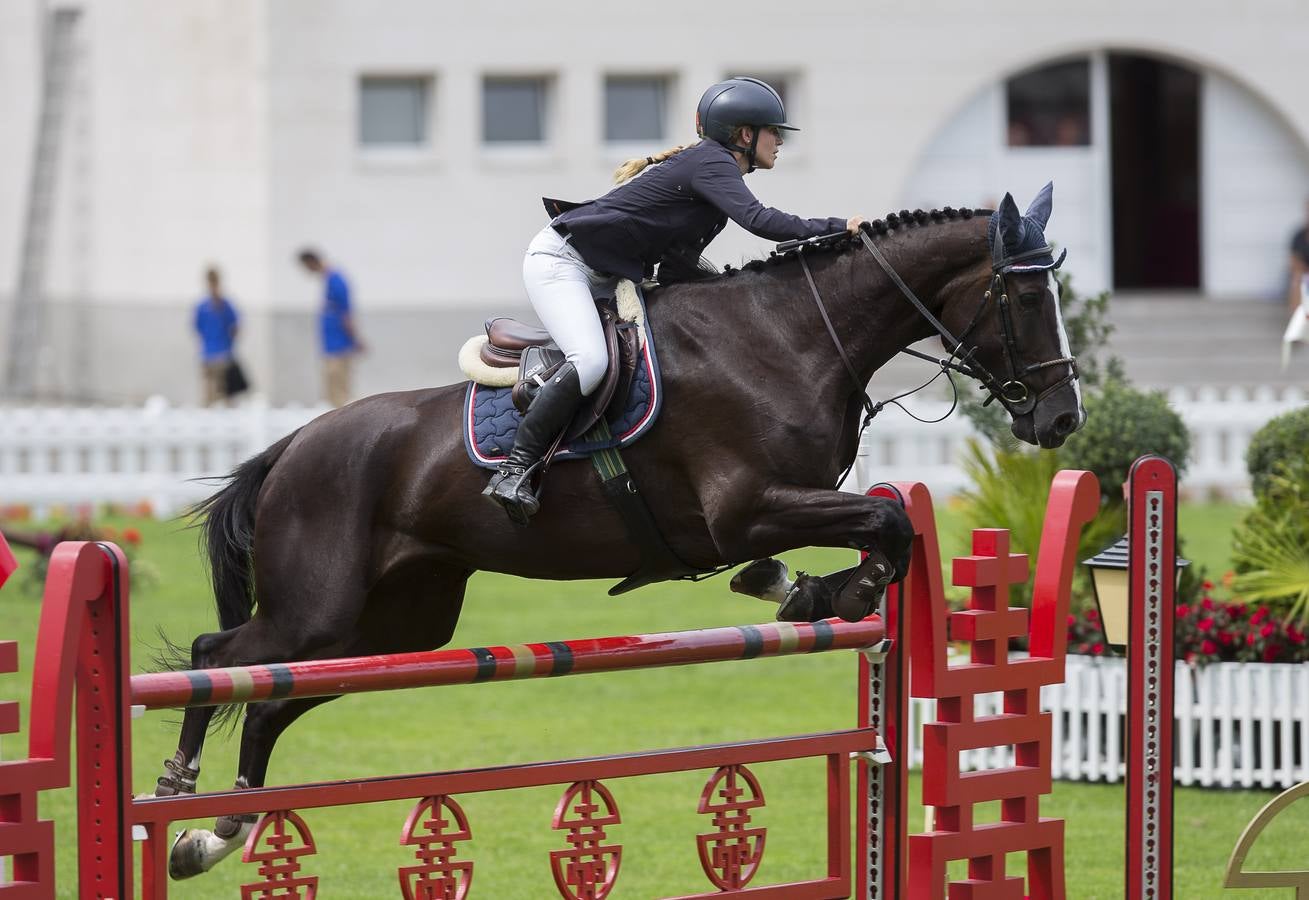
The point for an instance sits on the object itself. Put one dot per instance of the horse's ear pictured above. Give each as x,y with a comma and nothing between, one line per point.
1041,206
1010,221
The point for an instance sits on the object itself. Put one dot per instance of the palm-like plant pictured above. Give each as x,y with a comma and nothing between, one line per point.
1271,545
1274,561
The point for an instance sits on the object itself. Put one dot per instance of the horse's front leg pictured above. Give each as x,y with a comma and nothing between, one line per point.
786,517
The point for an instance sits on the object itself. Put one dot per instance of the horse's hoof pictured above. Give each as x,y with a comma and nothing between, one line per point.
806,601
196,850
186,858
765,579
860,596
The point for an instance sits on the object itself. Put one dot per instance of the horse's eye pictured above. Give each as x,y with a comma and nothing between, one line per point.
1031,299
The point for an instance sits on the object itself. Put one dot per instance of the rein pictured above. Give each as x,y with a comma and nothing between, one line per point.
1013,393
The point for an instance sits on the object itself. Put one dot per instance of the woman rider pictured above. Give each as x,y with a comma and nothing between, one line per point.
682,199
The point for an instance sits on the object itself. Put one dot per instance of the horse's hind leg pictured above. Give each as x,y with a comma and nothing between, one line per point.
255,641
415,608
182,771
197,850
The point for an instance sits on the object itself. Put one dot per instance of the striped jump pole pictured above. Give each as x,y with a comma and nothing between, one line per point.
210,687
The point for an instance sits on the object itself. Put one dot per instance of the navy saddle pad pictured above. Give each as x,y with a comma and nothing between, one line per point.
491,421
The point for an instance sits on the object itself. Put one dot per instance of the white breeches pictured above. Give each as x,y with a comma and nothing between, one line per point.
563,288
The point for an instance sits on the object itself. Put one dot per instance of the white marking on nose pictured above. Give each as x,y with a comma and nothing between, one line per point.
1053,284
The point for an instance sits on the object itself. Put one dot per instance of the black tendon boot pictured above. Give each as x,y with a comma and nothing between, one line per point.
552,409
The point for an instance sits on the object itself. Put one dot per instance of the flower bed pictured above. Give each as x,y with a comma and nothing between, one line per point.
1216,628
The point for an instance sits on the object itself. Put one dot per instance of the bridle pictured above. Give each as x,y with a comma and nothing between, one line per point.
1012,393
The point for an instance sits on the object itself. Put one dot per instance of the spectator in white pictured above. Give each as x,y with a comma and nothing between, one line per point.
216,324
1297,327
1299,260
340,340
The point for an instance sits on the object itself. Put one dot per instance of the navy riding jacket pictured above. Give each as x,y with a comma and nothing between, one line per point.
679,204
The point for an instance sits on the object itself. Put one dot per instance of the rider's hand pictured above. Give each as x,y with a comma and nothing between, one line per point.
852,226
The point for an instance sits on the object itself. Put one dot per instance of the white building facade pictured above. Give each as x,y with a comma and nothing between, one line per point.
411,141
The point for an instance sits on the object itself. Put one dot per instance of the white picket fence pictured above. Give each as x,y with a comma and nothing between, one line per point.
1235,724
69,456
53,456
1221,422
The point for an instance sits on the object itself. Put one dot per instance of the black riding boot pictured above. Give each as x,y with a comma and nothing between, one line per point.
552,409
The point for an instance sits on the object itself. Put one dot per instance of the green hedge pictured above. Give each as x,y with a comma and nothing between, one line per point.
1123,424
1280,443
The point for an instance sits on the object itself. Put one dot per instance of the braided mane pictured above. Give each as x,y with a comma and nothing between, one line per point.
891,222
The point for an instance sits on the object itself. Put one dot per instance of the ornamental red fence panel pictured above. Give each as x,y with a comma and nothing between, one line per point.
83,642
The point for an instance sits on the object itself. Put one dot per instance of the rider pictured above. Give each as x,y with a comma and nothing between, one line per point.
682,200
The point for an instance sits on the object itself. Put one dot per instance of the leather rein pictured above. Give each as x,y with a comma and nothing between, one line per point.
1012,393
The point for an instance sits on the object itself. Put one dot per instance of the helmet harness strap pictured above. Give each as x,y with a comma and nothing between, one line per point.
748,151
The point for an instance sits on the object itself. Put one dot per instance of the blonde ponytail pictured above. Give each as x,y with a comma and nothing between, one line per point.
634,167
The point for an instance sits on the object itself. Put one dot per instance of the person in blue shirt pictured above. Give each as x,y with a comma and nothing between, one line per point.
666,207
340,341
216,323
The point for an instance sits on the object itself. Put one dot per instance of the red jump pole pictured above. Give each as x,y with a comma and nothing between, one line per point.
1152,571
354,675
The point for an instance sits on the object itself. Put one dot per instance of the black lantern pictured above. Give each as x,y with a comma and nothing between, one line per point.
1109,578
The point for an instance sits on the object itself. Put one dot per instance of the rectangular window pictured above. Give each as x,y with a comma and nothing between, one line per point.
1050,106
513,110
393,111
636,108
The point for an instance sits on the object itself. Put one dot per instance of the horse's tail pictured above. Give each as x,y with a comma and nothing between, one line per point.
227,534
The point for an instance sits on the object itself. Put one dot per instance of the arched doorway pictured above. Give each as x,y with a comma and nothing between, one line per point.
1168,176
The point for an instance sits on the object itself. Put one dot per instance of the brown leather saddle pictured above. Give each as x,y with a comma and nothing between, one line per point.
512,344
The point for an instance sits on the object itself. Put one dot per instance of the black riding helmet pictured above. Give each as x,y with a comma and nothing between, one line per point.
739,101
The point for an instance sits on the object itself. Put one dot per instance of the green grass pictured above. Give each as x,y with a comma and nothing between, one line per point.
490,724
1206,531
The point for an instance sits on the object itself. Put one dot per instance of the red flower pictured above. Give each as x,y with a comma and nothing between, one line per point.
132,536
1098,649
1268,629
1207,603
1226,638
1083,648
1259,616
1250,638
1208,646
1182,610
1207,585
1072,620
1092,615
1271,652
1206,624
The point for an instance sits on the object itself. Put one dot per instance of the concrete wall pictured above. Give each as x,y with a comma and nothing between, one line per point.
20,61
224,131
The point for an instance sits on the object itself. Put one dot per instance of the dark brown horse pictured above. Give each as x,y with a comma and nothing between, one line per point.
357,534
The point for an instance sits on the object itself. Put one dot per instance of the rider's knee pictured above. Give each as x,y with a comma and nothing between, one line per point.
590,365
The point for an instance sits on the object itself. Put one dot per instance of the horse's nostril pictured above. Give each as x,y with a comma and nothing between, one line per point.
1065,424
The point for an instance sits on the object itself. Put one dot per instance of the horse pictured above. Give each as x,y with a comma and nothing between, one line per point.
356,534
